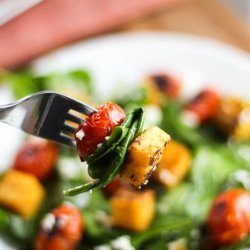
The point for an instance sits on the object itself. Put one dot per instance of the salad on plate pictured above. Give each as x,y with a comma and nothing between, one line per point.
129,185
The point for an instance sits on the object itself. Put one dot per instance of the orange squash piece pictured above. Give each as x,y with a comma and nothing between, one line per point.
175,163
132,209
20,192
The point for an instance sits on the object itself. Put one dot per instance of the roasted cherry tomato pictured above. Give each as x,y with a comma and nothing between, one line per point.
37,157
61,229
166,84
97,126
204,106
229,218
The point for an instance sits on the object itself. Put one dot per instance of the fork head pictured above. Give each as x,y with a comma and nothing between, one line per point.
53,116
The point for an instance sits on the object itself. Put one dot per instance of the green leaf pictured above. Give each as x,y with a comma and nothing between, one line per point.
168,225
4,219
211,168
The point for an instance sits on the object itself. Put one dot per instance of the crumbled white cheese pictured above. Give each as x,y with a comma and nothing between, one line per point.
102,247
107,138
179,244
99,145
80,134
62,220
48,222
190,119
122,243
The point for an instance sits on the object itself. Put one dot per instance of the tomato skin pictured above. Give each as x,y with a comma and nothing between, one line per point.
97,126
229,217
37,157
167,84
204,105
65,236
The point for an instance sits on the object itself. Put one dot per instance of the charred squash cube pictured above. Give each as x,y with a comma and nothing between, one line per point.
132,209
144,153
174,165
20,192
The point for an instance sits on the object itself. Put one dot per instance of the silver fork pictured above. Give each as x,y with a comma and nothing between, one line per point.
48,115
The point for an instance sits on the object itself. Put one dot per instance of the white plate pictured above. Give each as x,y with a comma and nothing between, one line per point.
118,62
126,58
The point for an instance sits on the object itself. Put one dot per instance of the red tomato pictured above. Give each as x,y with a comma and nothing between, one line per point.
97,127
229,218
61,229
37,157
205,105
167,84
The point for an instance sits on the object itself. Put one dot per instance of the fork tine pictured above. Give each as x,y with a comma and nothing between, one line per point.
66,140
82,108
74,118
66,128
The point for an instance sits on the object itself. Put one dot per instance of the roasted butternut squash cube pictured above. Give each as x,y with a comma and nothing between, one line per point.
233,118
174,165
20,192
143,155
132,209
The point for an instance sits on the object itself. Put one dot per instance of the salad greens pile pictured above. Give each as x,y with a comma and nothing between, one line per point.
181,212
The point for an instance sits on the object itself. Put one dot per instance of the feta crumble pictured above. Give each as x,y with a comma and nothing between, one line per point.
107,138
80,134
48,222
99,145
122,243
62,221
